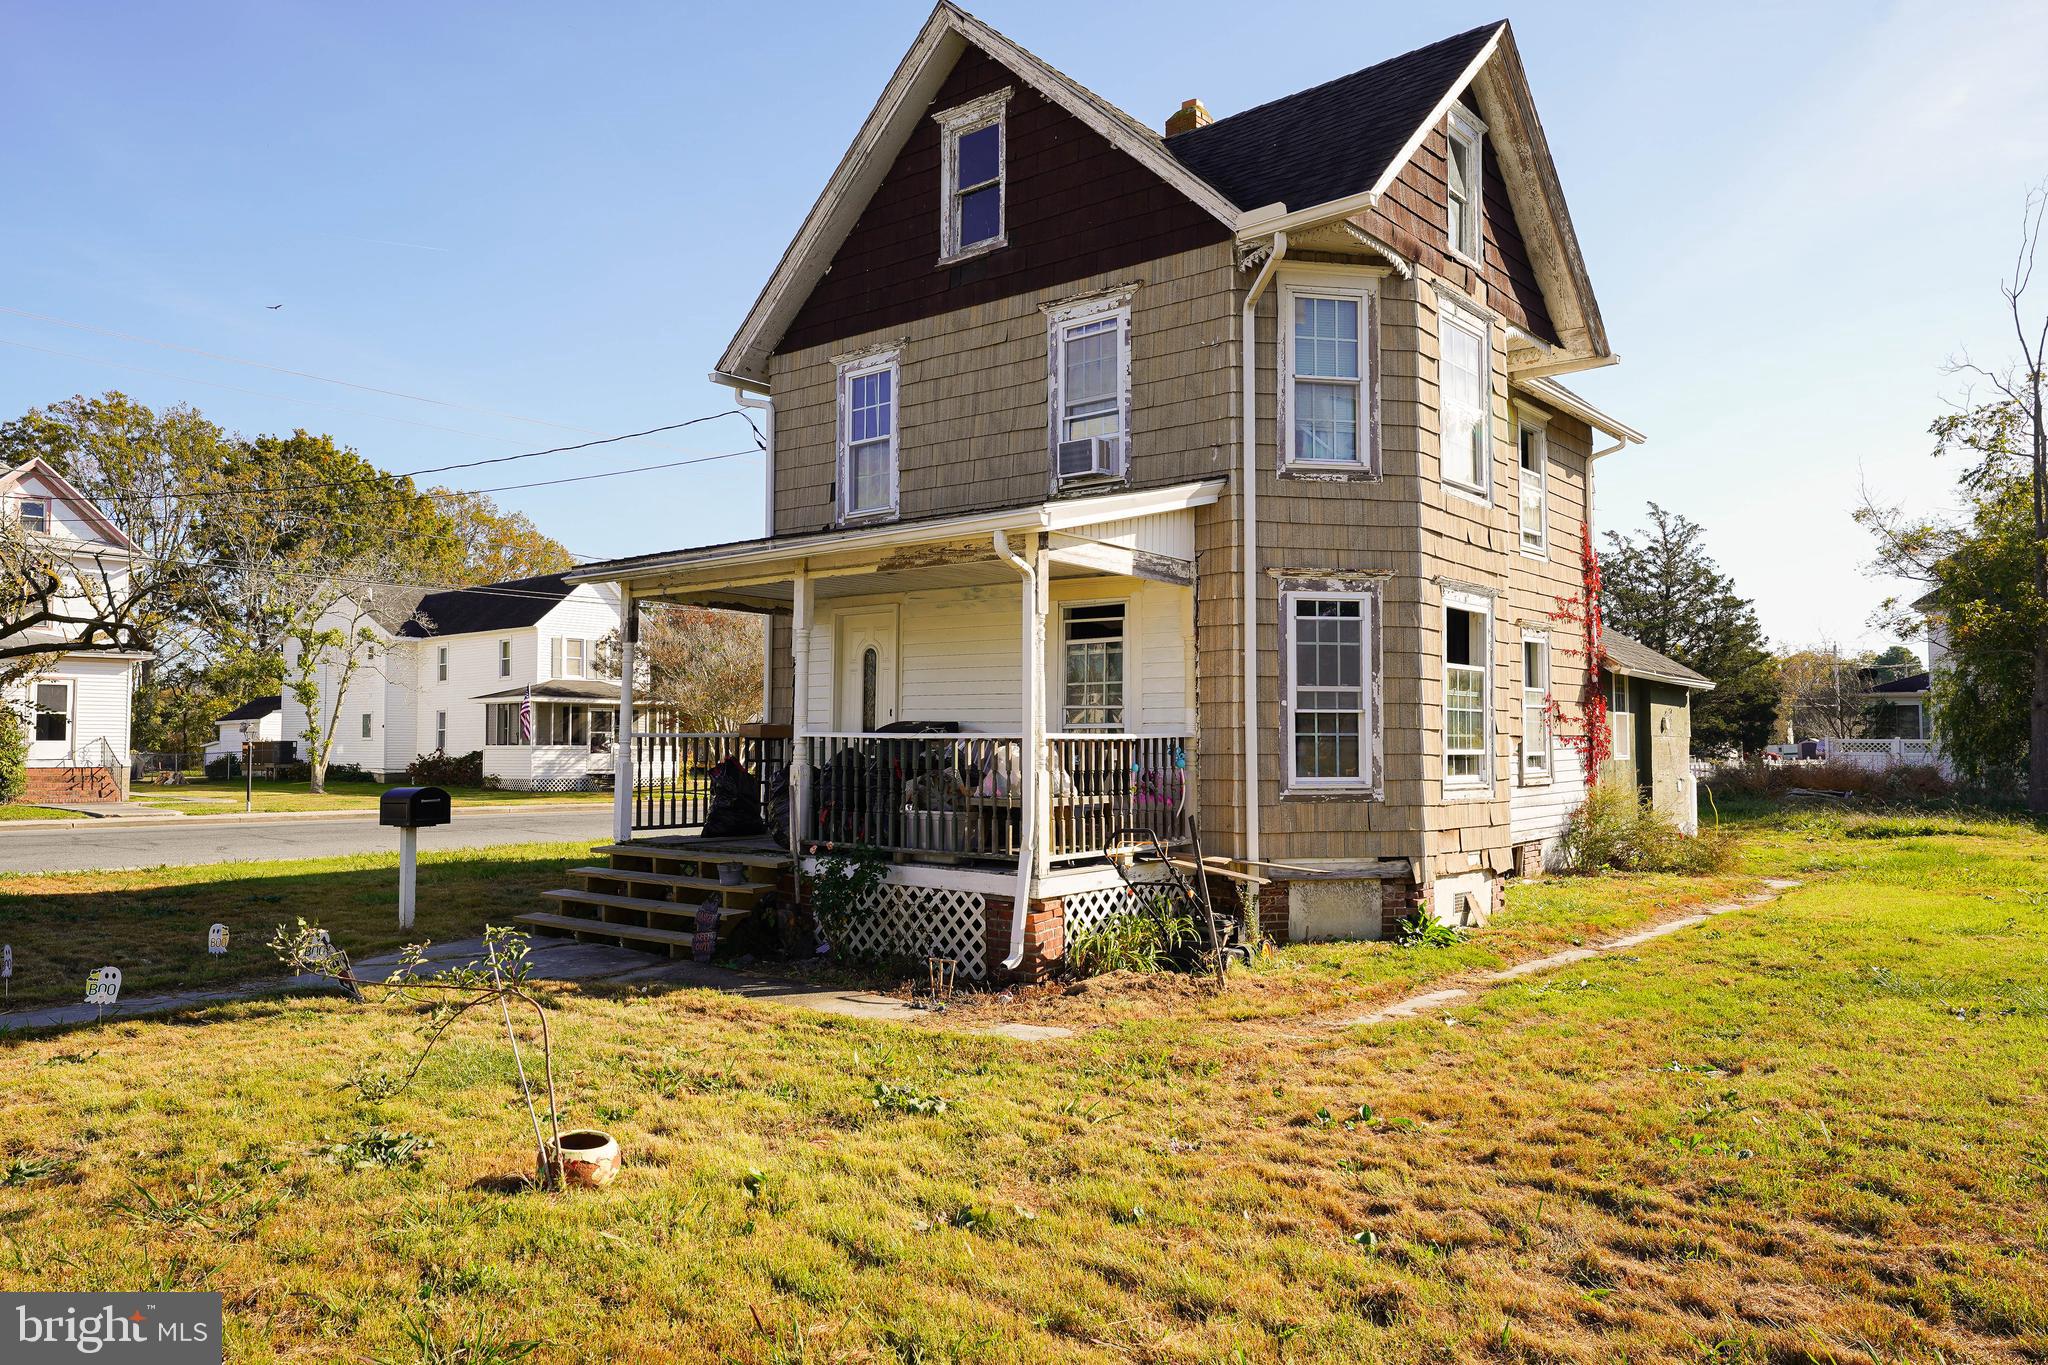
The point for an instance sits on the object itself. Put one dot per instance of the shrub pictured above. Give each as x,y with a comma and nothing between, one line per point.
447,770
1145,939
1910,785
13,755
1615,828
345,772
222,768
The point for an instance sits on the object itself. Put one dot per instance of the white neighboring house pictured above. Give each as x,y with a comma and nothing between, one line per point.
265,719
78,706
452,671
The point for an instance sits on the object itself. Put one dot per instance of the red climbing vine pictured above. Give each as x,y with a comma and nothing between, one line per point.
1595,742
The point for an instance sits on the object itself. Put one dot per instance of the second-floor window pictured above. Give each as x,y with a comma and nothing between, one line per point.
440,663
1327,359
1090,387
1464,182
1534,487
867,437
1465,401
504,658
570,658
35,515
972,163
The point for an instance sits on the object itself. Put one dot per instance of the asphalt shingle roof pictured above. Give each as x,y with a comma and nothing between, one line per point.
255,710
1330,141
1912,682
1638,660
494,606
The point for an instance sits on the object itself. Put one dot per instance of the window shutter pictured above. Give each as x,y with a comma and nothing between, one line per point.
556,670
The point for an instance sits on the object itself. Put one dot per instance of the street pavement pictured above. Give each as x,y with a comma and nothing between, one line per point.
95,845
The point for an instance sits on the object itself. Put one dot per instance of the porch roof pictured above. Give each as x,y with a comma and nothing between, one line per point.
573,689
952,550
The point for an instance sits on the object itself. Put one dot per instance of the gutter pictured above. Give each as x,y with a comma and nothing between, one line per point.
1248,440
1027,794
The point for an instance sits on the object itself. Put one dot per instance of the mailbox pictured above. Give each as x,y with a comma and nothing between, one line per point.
413,807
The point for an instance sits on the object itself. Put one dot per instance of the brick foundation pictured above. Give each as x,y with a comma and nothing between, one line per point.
1273,912
1400,898
71,784
1045,939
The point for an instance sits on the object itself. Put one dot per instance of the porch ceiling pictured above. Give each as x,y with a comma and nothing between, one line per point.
779,594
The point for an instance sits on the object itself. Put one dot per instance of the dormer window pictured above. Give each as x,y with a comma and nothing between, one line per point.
35,515
972,159
1462,176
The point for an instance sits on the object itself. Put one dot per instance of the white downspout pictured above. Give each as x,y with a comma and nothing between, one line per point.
1248,439
1027,795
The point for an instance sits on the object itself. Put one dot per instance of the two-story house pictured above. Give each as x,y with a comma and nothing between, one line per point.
76,705
509,668
1218,472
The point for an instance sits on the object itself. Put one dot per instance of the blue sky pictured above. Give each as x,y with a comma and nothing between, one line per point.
1792,216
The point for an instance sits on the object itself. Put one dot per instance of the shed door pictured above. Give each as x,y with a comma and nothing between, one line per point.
864,693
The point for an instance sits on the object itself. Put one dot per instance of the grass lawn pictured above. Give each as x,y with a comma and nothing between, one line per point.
209,797
18,812
1811,1130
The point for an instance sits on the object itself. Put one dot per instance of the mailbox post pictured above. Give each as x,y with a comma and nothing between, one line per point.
410,809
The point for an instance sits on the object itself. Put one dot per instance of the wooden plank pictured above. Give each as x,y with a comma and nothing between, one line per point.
669,879
572,924
605,898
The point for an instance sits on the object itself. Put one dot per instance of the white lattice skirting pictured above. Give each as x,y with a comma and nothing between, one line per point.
1087,911
926,921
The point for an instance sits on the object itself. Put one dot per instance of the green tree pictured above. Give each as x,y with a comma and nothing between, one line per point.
1666,591
13,754
497,544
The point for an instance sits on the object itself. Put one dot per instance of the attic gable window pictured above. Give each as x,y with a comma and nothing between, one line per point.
972,161
1462,177
35,515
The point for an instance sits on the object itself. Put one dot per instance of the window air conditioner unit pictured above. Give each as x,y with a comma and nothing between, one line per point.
1088,456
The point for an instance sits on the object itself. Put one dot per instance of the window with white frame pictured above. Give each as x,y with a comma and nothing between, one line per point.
1536,741
1089,382
1621,717
1327,356
504,658
1468,690
503,723
972,164
1464,182
1329,688
573,658
1094,655
440,732
867,436
440,663
35,514
1465,400
53,712
1533,485
366,725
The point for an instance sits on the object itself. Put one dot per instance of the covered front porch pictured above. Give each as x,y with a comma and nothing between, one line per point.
1002,690
554,736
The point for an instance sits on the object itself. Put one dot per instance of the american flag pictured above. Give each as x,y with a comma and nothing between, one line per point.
526,717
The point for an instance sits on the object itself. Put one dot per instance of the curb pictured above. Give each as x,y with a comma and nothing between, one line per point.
85,818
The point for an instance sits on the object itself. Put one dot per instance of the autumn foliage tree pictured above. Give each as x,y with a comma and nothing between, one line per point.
704,664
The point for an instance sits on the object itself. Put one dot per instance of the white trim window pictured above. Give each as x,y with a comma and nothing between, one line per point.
1468,690
1465,183
574,654
504,658
868,395
35,515
1088,350
1536,729
1329,666
440,663
440,732
974,178
1532,445
1621,718
1465,400
366,724
52,705
1326,345
1092,653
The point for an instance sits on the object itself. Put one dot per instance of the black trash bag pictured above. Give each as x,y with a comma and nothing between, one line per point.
778,806
735,809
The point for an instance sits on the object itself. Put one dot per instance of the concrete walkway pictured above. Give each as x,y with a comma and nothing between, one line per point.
553,959
1470,988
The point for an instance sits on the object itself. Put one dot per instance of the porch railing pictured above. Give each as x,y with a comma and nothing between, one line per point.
672,773
959,794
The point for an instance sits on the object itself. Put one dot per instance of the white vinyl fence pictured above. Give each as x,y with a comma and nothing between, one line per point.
1878,755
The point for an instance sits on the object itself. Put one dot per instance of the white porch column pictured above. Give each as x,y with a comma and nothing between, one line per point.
802,599
1038,785
622,740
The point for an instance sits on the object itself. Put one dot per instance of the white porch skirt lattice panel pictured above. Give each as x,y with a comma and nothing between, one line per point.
1088,911
925,921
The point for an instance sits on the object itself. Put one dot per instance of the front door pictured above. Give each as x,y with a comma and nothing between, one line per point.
864,693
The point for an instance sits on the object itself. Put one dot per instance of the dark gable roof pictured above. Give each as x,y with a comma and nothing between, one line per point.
255,710
1638,660
1333,140
1912,682
494,606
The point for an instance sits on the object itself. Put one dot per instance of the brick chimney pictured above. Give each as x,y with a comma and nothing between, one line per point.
1192,114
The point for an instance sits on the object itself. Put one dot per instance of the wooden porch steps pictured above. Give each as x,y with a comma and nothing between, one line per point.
660,896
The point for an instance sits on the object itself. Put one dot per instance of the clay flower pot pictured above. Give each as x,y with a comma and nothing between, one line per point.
587,1157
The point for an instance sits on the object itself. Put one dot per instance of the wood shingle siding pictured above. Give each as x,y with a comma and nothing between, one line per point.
1075,207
